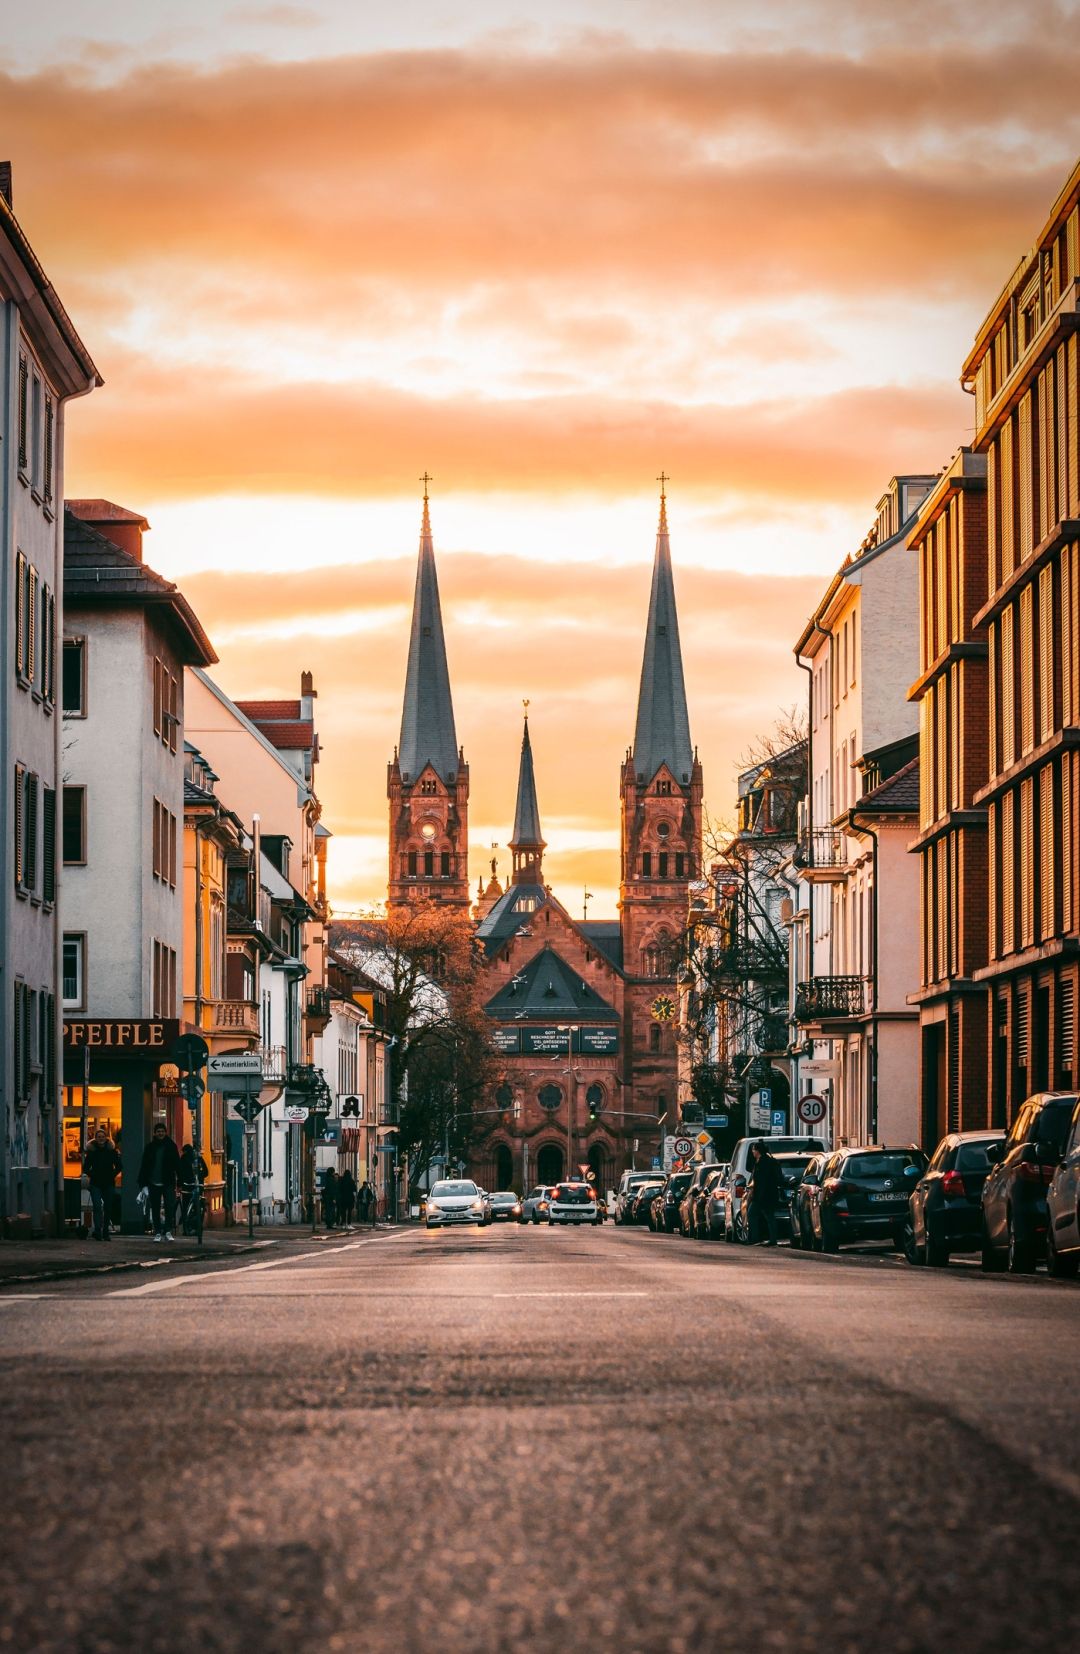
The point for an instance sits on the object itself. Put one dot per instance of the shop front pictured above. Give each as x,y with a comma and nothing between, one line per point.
118,1074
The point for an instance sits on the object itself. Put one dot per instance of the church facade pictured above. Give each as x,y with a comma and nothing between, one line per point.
582,1011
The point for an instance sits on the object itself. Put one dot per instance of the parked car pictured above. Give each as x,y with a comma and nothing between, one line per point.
739,1175
665,1206
504,1206
1063,1208
642,1199
799,1224
688,1199
864,1195
572,1203
791,1168
1014,1213
698,1226
534,1207
454,1201
945,1210
714,1204
629,1184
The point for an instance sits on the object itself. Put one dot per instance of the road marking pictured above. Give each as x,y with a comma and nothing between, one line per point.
569,1294
243,1269
21,1297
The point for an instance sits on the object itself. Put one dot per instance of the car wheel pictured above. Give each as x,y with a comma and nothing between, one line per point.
535,1217
1063,1266
1021,1253
937,1253
991,1259
794,1234
914,1253
830,1241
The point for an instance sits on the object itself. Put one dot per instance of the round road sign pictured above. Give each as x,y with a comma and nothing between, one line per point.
683,1146
811,1109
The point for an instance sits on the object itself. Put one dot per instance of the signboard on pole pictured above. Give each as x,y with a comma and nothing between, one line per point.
683,1147
235,1073
759,1111
295,1114
811,1109
777,1122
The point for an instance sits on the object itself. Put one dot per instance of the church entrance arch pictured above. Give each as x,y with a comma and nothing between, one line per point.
549,1163
504,1166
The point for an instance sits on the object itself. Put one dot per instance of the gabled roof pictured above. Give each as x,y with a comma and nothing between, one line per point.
606,936
97,571
258,711
511,912
662,731
548,989
899,795
104,511
428,735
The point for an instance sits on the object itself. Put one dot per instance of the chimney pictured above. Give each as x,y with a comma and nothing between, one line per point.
5,182
124,528
308,694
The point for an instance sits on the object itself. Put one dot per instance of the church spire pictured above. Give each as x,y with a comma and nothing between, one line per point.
527,842
428,735
662,731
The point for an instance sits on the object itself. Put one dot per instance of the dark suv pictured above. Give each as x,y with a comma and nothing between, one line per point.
1014,1194
945,1214
666,1204
864,1195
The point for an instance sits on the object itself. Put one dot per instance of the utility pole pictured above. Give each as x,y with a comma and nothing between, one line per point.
570,1029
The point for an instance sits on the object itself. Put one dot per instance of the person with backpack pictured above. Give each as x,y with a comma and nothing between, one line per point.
159,1173
101,1167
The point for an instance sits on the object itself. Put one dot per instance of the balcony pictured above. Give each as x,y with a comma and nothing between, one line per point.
275,1065
235,1017
831,999
822,856
319,1007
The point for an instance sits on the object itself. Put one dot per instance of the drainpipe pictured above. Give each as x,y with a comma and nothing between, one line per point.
822,631
871,833
199,929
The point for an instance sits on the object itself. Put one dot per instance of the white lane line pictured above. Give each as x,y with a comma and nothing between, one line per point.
244,1269
21,1297
569,1294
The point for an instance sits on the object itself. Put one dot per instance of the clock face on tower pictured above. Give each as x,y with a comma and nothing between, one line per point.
663,1008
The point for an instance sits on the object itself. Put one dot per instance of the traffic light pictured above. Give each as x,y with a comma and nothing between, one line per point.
595,1099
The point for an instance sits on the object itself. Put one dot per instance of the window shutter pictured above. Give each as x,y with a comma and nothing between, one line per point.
31,623
1047,853
157,696
1072,437
1008,497
1025,479
1008,870
24,423
1027,671
993,520
20,614
1008,689
18,826
1067,645
30,830
1046,652
1027,865
1067,1031
48,843
993,906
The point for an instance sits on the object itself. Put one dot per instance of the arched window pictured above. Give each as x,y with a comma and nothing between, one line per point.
550,1096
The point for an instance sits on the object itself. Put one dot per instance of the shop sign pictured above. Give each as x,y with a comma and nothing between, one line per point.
121,1038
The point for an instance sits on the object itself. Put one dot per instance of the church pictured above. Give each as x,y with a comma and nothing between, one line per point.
581,1010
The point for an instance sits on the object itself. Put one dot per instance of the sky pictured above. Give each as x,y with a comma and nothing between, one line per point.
319,250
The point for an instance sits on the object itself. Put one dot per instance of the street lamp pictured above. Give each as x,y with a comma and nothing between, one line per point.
570,1029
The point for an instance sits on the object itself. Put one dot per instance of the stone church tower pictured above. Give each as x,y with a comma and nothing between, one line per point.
661,807
428,779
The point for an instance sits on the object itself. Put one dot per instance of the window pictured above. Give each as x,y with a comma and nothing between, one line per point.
74,970
163,980
654,1037
166,704
28,857
663,788
48,845
49,444
47,650
73,827
37,416
444,864
73,680
164,844
19,857
24,412
428,788
680,864
429,864
27,604
646,864
411,860
662,860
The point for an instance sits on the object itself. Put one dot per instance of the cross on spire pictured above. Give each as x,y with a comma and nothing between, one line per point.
425,479
663,479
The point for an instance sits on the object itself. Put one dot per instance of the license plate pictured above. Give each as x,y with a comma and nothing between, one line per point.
889,1197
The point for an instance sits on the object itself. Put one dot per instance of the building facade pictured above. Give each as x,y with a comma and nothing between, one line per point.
43,365
855,958
129,635
1024,371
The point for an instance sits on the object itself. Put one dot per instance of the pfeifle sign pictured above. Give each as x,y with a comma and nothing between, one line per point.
121,1038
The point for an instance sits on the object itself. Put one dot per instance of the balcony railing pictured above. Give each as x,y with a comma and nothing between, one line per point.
831,998
234,1016
275,1064
319,1005
822,851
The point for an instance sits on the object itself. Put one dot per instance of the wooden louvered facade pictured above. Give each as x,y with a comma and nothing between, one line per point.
1024,372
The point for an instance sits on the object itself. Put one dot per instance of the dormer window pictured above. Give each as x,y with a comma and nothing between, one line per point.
428,788
663,788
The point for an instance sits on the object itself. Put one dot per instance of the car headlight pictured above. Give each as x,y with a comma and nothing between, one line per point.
477,1206
432,1207
517,1211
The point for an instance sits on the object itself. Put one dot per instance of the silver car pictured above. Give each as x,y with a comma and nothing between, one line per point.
457,1201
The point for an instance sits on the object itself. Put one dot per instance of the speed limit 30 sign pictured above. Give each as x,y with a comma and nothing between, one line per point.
811,1109
683,1147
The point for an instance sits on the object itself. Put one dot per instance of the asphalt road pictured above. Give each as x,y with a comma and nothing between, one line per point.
509,1439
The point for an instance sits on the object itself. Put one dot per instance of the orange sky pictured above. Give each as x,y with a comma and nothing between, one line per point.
315,254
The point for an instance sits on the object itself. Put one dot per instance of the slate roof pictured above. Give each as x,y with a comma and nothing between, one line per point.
899,795
428,735
606,936
547,989
527,811
97,571
504,920
104,511
662,731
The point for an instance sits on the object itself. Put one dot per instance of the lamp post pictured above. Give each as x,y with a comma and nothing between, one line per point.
570,1029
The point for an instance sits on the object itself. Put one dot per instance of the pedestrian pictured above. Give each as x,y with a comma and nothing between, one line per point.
766,1186
365,1199
101,1167
159,1170
188,1186
346,1196
329,1197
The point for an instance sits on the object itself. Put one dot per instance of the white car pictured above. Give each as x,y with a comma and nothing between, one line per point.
573,1203
457,1201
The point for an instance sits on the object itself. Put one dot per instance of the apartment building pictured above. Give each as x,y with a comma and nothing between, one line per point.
43,365
952,693
129,635
855,955
1024,373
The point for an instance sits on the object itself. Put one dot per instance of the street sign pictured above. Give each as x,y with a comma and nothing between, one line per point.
657,1163
718,1121
703,1138
190,1052
194,1089
295,1114
386,1148
247,1107
765,1097
234,1065
683,1146
811,1109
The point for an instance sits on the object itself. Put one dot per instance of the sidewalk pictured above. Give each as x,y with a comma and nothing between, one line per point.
65,1259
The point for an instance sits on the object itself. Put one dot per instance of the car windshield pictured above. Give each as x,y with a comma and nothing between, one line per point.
572,1194
446,1191
1052,1125
649,1188
678,1183
793,1166
504,1195
971,1157
893,1164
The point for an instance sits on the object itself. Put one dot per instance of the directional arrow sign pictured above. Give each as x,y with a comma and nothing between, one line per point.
233,1065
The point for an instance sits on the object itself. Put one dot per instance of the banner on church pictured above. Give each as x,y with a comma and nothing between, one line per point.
551,1041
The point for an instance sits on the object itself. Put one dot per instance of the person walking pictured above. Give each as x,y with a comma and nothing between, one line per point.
365,1200
102,1166
766,1185
329,1197
346,1196
159,1171
189,1184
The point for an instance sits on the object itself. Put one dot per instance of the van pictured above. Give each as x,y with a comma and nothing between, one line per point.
629,1184
739,1175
